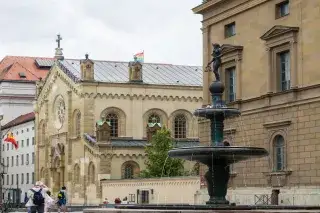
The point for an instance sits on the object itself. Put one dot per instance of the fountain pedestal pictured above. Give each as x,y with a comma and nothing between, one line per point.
217,178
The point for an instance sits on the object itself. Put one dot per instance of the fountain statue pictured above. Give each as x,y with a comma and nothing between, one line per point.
219,155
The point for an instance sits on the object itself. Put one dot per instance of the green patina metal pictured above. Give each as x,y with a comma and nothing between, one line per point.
217,122
154,124
101,122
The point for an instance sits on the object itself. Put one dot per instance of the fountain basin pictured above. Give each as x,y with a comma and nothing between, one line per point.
211,112
210,155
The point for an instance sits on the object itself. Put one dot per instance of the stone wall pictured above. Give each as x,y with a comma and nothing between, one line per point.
161,190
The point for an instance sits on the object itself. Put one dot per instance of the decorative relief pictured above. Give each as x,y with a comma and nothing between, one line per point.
59,111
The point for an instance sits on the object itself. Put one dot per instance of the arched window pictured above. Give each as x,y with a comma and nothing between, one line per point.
154,118
112,118
76,173
91,173
180,126
77,123
129,170
279,153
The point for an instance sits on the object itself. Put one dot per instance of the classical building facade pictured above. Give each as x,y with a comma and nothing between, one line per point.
270,69
93,119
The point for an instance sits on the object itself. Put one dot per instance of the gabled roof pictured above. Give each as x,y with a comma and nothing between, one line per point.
117,72
19,120
278,30
11,66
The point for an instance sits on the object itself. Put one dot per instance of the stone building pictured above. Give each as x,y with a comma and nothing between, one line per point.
93,119
270,69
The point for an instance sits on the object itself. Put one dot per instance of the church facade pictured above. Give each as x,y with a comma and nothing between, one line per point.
94,119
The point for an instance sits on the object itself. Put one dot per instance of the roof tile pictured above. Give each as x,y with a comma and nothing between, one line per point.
10,66
20,120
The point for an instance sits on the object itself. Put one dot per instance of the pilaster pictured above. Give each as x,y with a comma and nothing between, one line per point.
294,65
70,129
88,117
206,58
238,78
270,70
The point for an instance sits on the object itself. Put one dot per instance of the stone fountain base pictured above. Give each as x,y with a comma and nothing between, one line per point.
204,209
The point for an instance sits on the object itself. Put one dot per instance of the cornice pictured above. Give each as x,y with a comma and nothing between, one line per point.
143,85
277,124
231,12
200,9
141,97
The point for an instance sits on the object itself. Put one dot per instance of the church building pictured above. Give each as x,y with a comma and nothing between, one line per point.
94,119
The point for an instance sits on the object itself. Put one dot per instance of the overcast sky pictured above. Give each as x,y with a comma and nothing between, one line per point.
166,30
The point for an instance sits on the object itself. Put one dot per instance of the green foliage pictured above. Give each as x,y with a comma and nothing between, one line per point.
158,162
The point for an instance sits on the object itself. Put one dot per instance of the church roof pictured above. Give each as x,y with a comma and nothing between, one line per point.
22,68
32,68
159,74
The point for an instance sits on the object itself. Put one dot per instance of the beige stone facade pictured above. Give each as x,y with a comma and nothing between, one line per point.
90,128
153,191
273,48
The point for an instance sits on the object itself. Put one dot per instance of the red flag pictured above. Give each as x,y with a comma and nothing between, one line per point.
11,139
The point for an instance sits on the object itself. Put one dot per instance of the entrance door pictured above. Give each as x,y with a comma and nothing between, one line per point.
144,196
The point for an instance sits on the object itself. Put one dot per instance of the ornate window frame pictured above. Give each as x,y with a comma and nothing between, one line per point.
91,173
275,128
121,119
190,123
135,167
279,39
76,174
232,57
162,114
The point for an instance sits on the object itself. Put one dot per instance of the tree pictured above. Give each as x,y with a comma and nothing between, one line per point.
158,162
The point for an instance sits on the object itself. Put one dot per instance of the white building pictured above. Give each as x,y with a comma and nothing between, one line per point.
20,161
16,96
18,76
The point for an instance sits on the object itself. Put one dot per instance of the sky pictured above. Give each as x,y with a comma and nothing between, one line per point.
167,30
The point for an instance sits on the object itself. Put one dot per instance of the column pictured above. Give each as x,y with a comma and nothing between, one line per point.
269,66
293,64
206,59
61,176
238,78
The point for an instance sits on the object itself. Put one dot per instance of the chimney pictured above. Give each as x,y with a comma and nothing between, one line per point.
87,69
135,71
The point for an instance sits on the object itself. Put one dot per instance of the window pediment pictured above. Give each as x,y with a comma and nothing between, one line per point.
277,31
231,52
226,48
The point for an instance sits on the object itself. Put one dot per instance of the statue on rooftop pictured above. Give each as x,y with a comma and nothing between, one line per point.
216,60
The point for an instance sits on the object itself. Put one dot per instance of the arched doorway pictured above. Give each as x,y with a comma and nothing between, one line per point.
57,168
